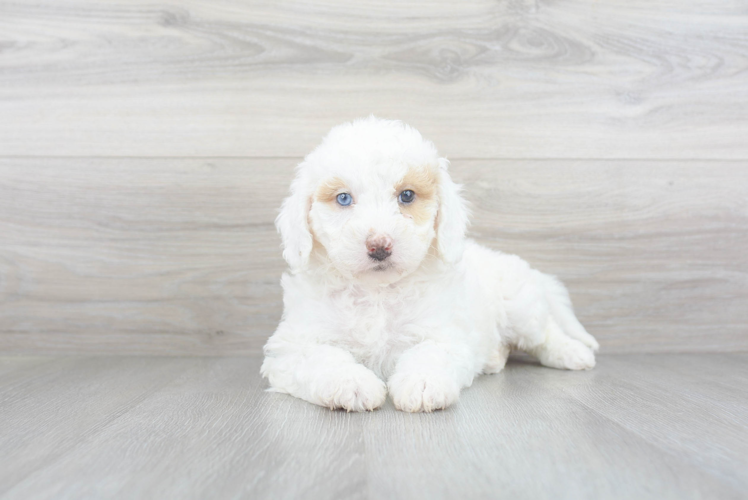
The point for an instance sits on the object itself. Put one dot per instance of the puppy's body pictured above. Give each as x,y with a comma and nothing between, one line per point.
424,308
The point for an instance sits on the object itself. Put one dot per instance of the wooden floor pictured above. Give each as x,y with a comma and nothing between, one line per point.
638,426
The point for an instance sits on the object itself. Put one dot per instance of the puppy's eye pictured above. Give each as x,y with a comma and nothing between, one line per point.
344,199
406,197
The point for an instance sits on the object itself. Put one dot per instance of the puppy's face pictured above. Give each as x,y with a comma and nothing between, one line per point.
376,227
372,199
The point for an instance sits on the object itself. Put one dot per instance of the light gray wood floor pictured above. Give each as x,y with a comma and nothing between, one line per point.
638,426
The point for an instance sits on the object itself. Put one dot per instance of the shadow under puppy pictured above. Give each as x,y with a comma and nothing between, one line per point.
384,285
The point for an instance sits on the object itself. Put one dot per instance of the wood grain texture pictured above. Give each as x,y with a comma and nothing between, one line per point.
140,255
177,256
55,407
483,79
638,426
651,251
574,445
209,432
12,366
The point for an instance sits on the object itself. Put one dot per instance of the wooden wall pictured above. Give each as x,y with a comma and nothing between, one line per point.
146,146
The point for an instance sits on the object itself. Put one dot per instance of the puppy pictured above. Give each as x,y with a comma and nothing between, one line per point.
384,286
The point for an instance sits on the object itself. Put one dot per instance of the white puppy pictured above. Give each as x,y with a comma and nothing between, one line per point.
383,285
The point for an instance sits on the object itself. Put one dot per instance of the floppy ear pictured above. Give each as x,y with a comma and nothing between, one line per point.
451,218
293,225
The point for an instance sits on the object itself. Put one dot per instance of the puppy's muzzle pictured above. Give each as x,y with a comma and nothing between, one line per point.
379,247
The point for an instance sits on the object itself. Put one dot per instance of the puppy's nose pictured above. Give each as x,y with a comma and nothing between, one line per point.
379,247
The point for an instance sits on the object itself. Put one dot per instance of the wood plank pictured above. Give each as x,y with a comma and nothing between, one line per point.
62,404
651,251
520,79
174,256
706,428
15,375
632,428
519,434
705,381
12,366
180,256
213,432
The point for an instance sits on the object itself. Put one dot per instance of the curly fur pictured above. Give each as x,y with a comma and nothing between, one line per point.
438,311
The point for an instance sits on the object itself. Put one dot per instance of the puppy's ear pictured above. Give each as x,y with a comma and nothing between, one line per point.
293,224
452,217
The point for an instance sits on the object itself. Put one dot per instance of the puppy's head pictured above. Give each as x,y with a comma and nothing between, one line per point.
374,198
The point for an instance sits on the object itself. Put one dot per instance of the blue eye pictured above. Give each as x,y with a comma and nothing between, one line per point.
344,199
406,196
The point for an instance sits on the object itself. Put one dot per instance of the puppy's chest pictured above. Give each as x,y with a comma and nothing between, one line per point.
377,324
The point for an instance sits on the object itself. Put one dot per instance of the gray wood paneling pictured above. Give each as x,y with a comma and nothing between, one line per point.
516,78
180,255
140,255
638,426
654,253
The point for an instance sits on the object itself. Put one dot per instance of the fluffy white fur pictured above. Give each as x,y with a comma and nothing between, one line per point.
420,324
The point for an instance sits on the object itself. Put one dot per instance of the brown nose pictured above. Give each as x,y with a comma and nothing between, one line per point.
379,247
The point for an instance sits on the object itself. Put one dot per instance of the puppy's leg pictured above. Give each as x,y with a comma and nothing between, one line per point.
322,374
562,311
540,319
558,350
497,359
429,376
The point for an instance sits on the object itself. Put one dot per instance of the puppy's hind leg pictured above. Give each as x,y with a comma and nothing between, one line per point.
563,312
539,317
558,350
497,359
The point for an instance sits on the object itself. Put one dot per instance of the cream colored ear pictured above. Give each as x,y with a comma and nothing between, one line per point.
293,225
452,217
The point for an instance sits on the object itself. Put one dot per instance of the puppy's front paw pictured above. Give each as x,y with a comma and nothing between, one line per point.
354,388
414,392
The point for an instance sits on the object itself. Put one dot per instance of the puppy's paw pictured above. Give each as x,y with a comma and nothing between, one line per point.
569,355
497,359
591,343
581,335
354,388
414,392
573,329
